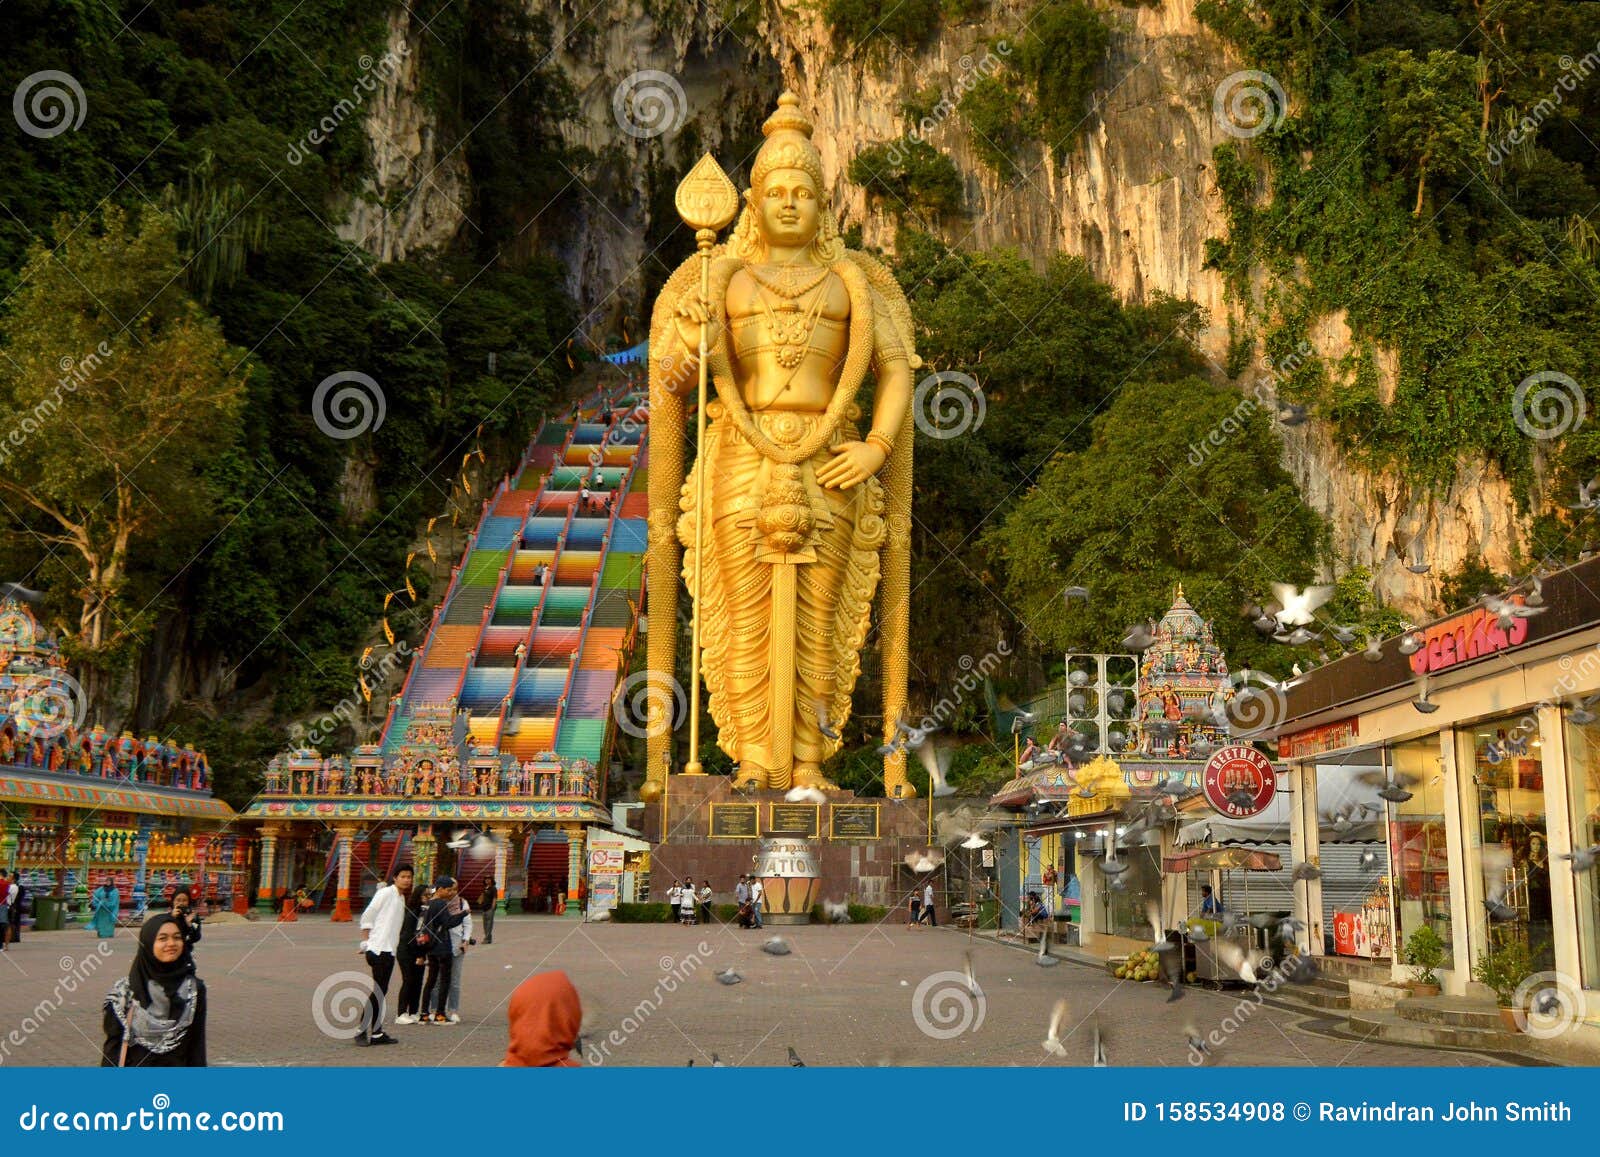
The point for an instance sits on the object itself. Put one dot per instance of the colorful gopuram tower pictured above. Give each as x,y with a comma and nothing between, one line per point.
1183,675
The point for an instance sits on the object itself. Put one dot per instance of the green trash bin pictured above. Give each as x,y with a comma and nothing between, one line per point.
49,914
988,914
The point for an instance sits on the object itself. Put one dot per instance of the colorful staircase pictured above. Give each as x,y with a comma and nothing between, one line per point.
533,667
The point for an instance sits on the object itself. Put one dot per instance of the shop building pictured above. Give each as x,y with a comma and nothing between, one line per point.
1480,716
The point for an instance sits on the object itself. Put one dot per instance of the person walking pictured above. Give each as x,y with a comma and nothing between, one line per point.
741,899
916,909
156,1016
105,903
381,921
436,923
19,907
405,953
487,901
757,890
545,1016
7,888
705,901
460,940
927,905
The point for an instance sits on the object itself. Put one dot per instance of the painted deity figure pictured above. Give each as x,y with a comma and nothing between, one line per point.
804,515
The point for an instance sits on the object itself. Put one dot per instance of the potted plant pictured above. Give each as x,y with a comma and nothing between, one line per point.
1424,951
1505,963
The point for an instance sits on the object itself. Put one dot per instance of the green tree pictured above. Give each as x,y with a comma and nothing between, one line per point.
1154,501
1428,120
121,390
908,176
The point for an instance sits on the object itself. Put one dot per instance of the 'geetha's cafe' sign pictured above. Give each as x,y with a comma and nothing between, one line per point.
1470,635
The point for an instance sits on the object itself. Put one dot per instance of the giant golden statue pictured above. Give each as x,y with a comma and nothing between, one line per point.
807,518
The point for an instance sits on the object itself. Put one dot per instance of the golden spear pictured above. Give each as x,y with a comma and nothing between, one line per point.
707,202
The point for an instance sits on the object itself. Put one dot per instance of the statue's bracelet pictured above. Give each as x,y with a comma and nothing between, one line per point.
882,440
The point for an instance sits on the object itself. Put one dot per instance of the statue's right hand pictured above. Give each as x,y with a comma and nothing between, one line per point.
693,311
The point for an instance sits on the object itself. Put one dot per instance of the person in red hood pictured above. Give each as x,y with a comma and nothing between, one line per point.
545,1017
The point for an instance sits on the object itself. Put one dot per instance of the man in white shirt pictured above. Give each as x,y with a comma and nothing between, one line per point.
381,922
927,905
756,892
460,938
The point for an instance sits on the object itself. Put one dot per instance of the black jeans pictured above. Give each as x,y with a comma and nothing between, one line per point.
410,985
488,924
436,989
382,969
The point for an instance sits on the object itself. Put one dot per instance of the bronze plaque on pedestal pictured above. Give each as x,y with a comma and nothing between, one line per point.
793,819
853,821
735,821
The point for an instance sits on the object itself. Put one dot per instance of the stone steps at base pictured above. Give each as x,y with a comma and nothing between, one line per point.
1450,1012
1388,1025
1354,968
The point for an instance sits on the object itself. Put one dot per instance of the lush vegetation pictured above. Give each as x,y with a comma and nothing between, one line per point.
1043,95
908,177
869,25
256,545
1431,175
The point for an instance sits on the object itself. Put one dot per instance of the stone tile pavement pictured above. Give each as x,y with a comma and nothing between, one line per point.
850,995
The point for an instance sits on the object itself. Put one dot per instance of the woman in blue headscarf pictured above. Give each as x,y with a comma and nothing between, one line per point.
105,903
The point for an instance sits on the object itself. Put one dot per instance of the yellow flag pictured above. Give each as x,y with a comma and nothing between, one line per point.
366,692
387,599
431,521
387,633
433,555
365,655
409,559
466,484
411,590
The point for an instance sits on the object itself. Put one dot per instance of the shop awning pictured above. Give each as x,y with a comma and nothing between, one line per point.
1071,823
1221,859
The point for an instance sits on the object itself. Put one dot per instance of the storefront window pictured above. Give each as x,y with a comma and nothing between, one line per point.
1505,803
1583,760
1420,860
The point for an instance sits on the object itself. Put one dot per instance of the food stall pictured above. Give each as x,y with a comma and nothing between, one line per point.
1213,949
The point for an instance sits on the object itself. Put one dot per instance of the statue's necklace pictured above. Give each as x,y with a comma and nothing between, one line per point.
791,334
789,282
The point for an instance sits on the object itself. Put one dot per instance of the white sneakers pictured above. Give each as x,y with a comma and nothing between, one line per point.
408,1018
455,1018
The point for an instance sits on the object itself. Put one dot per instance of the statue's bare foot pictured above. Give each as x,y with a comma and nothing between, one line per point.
749,778
810,775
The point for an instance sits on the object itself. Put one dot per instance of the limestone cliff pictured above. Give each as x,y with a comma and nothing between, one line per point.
1134,197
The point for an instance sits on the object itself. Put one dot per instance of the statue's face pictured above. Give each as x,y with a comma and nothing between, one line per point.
789,206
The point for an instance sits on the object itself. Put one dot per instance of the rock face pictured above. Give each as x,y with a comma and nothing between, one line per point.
1134,196
416,198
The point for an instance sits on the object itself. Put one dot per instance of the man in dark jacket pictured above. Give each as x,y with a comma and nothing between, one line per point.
487,902
437,920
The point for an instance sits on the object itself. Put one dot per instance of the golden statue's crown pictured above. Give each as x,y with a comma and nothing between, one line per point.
788,144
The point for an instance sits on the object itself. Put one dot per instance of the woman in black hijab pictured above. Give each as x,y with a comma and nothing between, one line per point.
157,1016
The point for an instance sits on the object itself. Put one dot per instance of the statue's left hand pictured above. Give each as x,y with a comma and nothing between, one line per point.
853,464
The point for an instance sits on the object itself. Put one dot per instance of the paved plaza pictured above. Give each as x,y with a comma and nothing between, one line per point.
850,995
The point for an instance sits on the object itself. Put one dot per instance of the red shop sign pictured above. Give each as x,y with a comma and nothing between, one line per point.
1473,634
1234,770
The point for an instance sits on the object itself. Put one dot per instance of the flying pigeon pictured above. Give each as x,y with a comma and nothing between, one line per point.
794,1059
1138,638
1422,703
1100,1059
1292,414
971,973
717,1062
1299,605
1535,592
20,593
1075,593
1306,871
1052,1039
1044,959
1499,911
836,913
1410,643
1374,651
1578,711
1343,634
827,729
777,946
1587,497
805,794
1582,858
